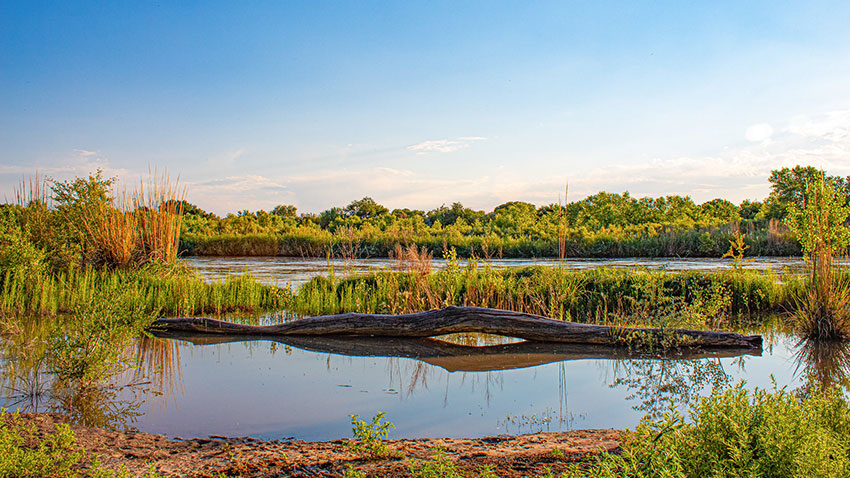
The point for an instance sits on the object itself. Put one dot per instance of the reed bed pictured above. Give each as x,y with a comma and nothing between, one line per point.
599,295
183,294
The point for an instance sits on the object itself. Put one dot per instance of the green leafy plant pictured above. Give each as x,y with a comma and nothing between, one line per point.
439,466
23,453
737,250
736,432
369,437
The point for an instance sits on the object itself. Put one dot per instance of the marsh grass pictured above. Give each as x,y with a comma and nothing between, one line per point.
88,221
609,296
155,290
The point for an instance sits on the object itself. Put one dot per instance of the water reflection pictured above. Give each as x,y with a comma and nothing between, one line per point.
823,364
455,357
661,384
466,385
115,404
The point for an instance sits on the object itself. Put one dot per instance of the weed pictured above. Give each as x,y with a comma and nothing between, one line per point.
350,472
23,453
820,226
439,466
736,433
369,437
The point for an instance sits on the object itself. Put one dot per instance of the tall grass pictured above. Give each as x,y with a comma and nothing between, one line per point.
599,295
164,294
90,219
611,242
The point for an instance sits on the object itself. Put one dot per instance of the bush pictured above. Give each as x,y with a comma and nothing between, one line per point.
737,433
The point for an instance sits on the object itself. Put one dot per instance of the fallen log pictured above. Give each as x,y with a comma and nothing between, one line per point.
463,358
451,320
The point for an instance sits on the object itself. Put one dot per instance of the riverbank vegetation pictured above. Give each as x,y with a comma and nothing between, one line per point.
737,433
601,225
84,238
820,224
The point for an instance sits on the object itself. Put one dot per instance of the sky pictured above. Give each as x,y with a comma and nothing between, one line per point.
417,104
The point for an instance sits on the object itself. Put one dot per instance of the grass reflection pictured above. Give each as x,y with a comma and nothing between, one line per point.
823,364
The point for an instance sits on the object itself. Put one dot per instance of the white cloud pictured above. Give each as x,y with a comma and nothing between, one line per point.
833,126
734,173
236,193
444,145
759,133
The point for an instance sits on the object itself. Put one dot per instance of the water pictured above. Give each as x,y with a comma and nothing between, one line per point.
305,388
280,270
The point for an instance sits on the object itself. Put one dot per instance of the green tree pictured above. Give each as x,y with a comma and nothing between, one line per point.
365,208
285,210
789,186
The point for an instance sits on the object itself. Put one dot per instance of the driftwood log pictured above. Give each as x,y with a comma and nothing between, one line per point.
467,319
455,357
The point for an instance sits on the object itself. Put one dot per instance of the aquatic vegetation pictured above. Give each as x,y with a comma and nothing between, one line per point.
736,433
93,347
162,292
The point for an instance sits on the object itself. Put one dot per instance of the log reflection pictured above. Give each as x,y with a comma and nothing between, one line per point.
455,357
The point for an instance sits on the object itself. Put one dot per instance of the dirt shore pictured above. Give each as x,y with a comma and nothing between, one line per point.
140,453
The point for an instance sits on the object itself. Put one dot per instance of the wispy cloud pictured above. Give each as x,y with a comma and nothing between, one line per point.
226,159
444,145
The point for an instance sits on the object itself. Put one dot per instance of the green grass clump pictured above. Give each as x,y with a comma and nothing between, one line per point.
737,433
24,454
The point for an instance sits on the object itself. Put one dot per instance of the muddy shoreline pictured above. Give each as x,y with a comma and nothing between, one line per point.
509,456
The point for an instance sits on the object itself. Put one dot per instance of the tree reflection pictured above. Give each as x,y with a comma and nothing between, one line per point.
659,384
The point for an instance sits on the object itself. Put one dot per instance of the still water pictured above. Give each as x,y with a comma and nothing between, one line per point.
273,390
305,388
280,270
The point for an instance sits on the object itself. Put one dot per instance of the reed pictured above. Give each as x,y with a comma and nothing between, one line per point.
563,242
86,221
602,295
159,213
162,294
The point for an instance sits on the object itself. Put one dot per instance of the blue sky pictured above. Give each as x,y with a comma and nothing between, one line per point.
417,104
